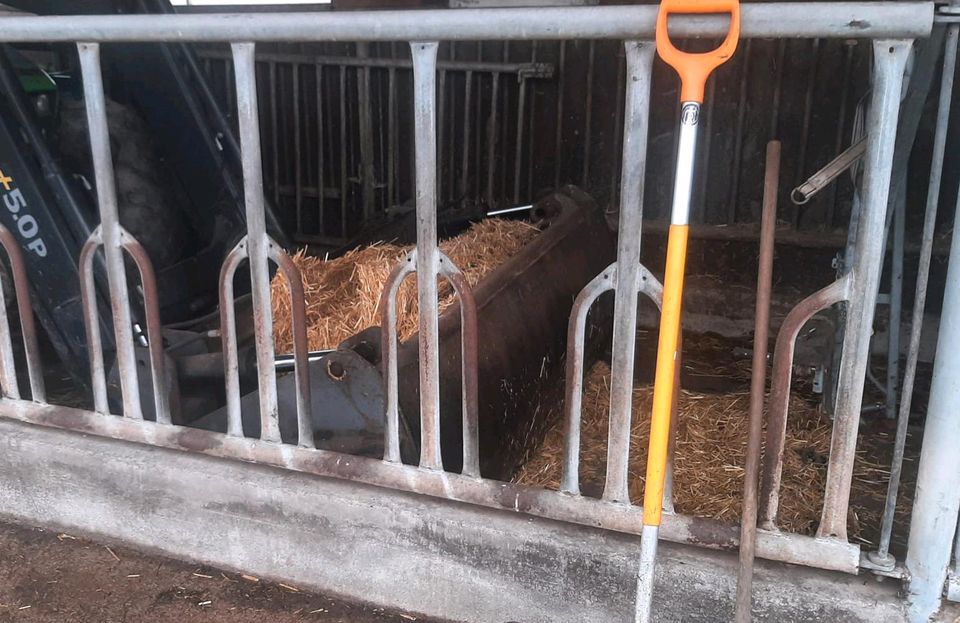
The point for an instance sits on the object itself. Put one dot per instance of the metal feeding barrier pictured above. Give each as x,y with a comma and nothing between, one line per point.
890,25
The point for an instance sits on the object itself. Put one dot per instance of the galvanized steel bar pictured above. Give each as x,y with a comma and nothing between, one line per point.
297,163
425,131
151,308
365,114
388,336
780,392
344,173
588,116
8,367
919,301
228,337
91,321
21,287
465,156
318,72
492,139
767,20
249,123
110,226
636,111
468,371
890,58
518,146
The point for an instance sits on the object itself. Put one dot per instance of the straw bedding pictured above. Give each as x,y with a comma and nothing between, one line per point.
343,294
711,437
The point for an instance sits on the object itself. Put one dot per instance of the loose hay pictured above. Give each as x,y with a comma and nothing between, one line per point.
343,295
711,439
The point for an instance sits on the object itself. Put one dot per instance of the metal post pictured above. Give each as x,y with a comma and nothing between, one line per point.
110,223
636,125
890,57
882,555
249,122
937,500
425,128
367,170
896,299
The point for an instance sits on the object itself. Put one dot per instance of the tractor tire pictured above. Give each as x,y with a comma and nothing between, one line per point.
146,198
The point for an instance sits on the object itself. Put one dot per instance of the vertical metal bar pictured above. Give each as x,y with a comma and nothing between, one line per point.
558,141
274,133
8,367
618,125
531,123
91,321
639,64
934,518
465,157
151,305
21,286
110,224
704,153
881,556
367,171
889,61
896,299
841,123
738,136
442,131
243,61
388,336
344,173
585,174
492,138
758,379
318,70
425,132
518,152
777,88
805,128
298,165
448,155
392,155
228,337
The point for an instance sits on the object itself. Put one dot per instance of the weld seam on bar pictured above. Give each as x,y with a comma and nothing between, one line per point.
249,123
388,346
763,20
21,288
636,123
151,299
576,339
107,201
298,320
468,361
228,337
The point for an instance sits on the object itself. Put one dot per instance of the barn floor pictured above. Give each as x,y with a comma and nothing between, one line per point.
46,576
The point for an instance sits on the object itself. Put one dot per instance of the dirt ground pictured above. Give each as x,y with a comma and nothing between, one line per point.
48,576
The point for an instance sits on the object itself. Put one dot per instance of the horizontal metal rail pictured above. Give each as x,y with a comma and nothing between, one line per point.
786,19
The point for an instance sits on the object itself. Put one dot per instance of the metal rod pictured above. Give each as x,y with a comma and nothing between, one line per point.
297,163
274,134
492,138
588,116
841,122
344,172
465,155
228,337
110,226
805,128
365,113
21,287
91,321
767,20
896,299
392,136
425,128
258,248
758,380
8,367
318,70
388,320
636,124
558,141
889,61
518,147
882,556
738,137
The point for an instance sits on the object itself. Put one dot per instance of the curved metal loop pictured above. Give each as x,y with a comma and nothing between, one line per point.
651,287
151,300
228,337
301,369
468,363
91,321
388,337
834,293
576,338
21,289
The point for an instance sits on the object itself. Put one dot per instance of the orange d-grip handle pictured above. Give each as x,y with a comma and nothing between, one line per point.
695,67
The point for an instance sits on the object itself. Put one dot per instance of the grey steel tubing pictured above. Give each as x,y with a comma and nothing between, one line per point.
298,320
758,381
468,361
766,20
428,255
780,392
558,140
576,344
896,300
890,58
228,337
274,134
8,367
318,72
636,124
344,173
391,136
923,277
465,156
151,308
441,128
91,321
388,323
738,136
297,162
492,138
588,116
21,287
518,153
110,226
258,251
365,114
